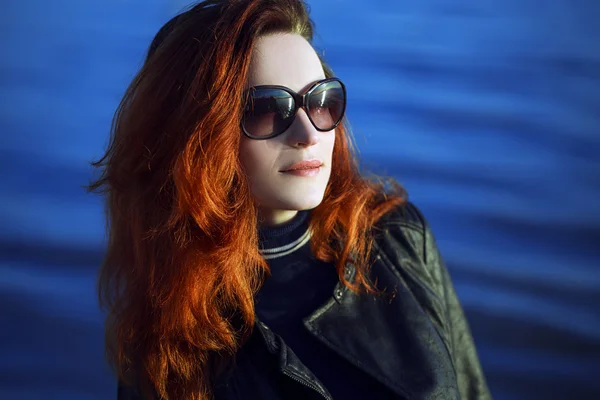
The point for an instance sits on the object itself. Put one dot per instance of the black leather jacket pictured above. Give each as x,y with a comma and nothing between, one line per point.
418,344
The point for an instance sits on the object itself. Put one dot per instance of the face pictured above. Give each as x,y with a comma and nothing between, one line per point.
286,60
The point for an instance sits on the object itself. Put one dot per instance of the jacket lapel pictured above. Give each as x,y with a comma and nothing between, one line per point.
390,338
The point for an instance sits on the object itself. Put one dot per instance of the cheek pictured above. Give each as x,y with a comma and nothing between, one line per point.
330,144
254,158
247,155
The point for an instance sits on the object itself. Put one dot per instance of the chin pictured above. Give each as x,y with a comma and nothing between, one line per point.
300,202
300,206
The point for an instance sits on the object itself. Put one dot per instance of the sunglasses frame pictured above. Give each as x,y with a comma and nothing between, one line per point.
300,101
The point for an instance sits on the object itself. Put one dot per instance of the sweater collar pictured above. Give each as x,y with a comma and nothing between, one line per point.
280,240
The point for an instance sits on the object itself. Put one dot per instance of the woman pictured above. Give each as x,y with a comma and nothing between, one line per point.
247,257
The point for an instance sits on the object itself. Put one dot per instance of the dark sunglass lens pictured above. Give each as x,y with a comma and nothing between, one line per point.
326,104
268,112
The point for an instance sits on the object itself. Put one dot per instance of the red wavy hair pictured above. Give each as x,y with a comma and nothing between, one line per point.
182,266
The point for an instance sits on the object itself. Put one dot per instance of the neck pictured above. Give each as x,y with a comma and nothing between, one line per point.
272,218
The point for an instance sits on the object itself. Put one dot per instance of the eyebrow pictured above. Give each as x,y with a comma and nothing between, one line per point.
305,88
301,91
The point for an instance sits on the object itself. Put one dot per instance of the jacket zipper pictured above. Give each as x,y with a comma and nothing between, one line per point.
307,384
291,375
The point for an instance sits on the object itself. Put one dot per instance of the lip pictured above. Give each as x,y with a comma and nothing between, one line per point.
303,172
303,165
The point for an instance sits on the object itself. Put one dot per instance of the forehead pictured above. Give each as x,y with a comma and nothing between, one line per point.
284,59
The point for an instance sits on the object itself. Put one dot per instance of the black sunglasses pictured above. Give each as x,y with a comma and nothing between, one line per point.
271,109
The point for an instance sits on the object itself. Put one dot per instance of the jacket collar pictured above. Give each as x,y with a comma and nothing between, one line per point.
392,340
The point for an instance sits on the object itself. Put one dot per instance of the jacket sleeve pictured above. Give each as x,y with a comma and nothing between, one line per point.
471,380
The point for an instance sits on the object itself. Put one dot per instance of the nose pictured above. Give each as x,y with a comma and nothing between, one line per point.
302,133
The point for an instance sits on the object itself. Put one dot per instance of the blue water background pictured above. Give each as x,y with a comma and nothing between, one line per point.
488,112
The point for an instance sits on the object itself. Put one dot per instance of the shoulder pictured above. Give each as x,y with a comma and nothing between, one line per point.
403,238
406,215
404,229
405,244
